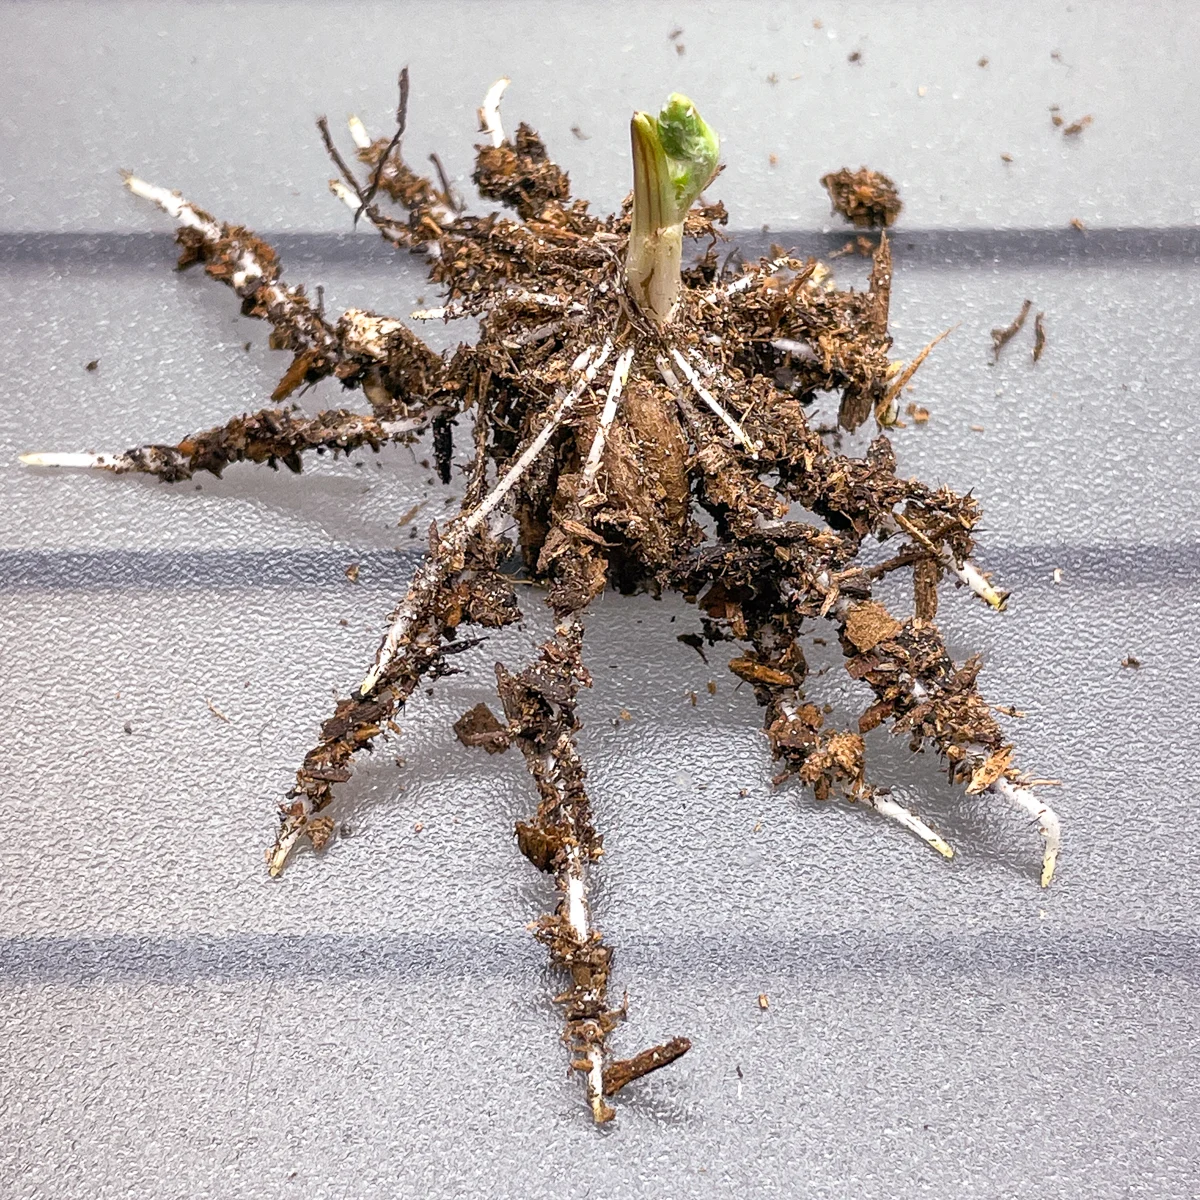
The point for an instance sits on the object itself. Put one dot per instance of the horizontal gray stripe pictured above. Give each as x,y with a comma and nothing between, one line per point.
917,247
1118,566
261,956
66,570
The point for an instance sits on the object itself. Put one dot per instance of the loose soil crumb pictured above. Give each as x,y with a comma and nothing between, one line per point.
864,197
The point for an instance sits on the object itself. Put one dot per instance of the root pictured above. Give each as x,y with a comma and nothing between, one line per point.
489,113
248,265
619,377
739,434
889,808
967,572
272,436
1047,821
450,547
540,706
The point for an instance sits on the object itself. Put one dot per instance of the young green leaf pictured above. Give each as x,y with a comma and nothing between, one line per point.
674,157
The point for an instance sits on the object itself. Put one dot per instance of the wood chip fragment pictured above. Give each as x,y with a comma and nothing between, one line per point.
320,830
626,1070
763,1002
753,671
992,768
479,727
1039,336
869,624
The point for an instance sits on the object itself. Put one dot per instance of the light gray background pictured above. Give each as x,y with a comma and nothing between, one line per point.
378,1023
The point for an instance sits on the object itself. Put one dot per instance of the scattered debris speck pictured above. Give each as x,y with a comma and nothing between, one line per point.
1078,225
1077,127
1130,661
411,514
94,365
918,412
1039,336
763,1001
351,572
1005,334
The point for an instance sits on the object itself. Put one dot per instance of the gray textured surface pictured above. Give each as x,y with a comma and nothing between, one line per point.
175,1024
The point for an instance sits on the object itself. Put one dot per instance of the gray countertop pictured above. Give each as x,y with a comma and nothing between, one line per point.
378,1023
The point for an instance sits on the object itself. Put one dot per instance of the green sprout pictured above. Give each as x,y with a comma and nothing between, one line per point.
674,157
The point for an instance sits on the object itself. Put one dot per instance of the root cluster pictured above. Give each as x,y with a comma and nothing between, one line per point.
611,453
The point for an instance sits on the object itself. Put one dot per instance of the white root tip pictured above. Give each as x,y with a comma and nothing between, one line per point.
139,187
77,461
970,574
1049,826
489,114
910,821
277,856
344,194
358,132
